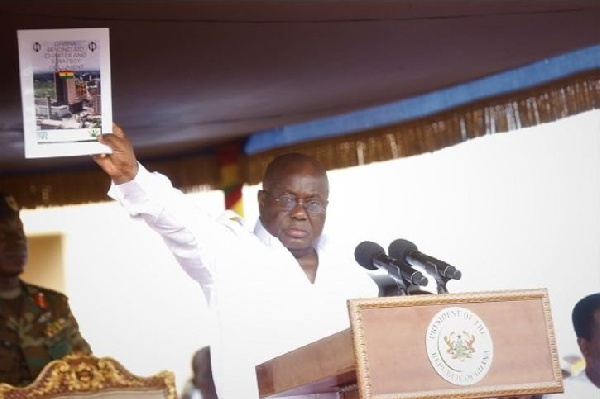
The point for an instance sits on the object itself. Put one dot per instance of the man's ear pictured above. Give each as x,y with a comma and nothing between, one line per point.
261,196
584,346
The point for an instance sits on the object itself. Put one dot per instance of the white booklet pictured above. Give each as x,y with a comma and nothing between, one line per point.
65,90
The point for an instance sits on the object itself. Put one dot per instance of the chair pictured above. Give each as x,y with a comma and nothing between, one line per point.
90,377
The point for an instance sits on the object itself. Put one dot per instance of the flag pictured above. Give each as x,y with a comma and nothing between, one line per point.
65,74
229,157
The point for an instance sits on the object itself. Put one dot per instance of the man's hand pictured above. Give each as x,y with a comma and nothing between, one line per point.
121,165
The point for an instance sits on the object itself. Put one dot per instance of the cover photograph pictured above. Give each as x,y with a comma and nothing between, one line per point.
65,90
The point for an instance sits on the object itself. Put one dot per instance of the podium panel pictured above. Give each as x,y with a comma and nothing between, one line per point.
473,345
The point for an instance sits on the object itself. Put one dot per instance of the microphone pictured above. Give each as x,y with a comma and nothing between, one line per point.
407,251
372,256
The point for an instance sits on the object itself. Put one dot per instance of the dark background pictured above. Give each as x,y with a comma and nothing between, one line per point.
189,75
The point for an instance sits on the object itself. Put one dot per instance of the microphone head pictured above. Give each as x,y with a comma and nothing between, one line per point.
365,252
455,274
400,248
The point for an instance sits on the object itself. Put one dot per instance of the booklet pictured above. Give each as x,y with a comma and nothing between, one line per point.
65,90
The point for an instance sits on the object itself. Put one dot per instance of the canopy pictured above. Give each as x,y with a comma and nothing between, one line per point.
191,78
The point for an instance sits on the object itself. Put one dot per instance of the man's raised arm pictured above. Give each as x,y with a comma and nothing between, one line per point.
121,165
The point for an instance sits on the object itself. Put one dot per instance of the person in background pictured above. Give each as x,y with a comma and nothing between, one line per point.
201,385
586,323
36,324
271,288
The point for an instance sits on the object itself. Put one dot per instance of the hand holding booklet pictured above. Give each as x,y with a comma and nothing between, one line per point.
65,91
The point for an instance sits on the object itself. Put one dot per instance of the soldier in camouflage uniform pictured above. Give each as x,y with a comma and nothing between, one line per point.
36,324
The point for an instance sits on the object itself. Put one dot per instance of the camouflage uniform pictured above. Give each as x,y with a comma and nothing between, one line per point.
35,328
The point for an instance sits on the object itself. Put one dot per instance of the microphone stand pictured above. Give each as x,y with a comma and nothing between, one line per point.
404,286
397,288
440,283
401,289
401,282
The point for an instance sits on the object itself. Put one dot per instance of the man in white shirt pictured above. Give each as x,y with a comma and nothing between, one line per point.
586,322
271,289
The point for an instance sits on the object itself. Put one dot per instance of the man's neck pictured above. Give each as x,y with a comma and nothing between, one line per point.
309,262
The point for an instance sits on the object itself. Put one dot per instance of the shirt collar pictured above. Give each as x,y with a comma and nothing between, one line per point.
263,235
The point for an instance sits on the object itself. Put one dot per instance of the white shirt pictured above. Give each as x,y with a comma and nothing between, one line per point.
262,302
191,391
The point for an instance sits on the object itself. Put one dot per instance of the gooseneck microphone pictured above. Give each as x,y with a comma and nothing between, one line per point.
408,252
372,256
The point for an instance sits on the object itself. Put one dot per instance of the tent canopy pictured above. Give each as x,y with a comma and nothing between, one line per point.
189,76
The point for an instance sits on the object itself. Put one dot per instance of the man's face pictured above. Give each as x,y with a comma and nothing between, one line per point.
591,349
297,229
13,247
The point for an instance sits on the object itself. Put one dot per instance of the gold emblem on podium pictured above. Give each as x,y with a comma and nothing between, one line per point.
459,346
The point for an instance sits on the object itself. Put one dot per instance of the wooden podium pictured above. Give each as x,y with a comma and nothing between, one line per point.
474,345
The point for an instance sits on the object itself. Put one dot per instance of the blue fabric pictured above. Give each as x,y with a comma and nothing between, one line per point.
517,79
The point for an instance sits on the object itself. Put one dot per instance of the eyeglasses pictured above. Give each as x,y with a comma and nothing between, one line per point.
287,202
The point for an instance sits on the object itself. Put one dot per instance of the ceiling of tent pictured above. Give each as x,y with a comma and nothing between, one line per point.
187,75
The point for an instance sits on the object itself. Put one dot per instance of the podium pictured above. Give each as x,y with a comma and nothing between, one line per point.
473,345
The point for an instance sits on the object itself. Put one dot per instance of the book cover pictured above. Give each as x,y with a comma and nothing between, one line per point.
65,90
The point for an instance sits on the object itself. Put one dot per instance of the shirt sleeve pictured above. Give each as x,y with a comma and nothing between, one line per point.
191,235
